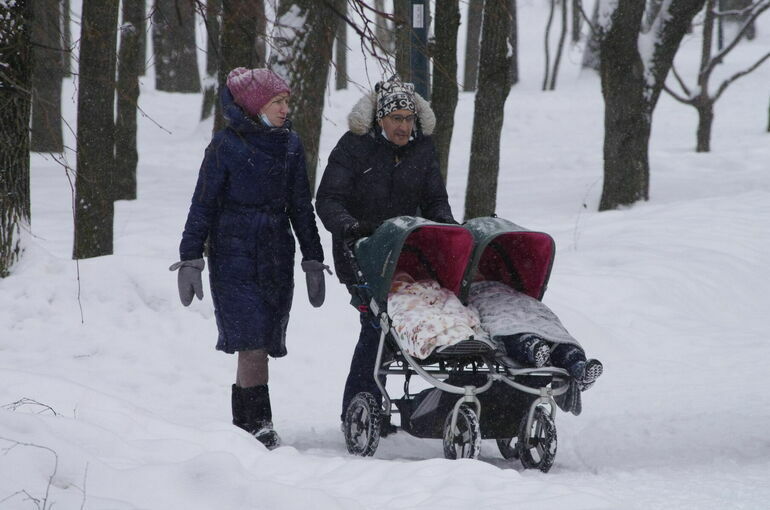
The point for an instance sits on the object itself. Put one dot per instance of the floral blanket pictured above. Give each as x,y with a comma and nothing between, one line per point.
426,316
505,311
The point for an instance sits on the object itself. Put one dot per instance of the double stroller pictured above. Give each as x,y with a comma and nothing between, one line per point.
475,391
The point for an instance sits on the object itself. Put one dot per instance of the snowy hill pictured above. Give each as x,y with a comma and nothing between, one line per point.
113,397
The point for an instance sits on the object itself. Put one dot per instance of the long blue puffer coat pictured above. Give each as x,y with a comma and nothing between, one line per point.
252,189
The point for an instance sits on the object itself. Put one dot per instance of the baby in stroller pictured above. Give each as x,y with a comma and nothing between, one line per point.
428,316
532,335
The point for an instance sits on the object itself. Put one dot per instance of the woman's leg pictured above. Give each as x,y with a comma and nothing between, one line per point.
252,368
251,398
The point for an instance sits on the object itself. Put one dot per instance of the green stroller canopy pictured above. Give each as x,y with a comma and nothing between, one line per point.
422,248
508,253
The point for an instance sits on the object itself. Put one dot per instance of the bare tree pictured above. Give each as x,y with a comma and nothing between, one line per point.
94,193
444,93
341,52
631,86
591,58
211,13
700,97
513,41
494,85
47,74
129,68
239,42
173,39
15,104
66,37
549,79
383,32
302,45
472,44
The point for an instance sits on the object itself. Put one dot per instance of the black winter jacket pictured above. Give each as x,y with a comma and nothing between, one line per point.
371,179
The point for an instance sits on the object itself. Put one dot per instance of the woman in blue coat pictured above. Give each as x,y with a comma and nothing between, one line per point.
252,190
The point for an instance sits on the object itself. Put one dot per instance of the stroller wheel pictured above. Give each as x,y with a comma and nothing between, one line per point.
362,425
537,446
508,448
465,442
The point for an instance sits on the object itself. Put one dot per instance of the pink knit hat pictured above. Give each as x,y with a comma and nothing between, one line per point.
253,88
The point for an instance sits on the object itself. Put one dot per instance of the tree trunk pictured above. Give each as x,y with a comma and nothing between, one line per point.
768,117
651,13
129,66
173,38
626,117
66,37
241,21
302,56
705,121
403,30
547,50
341,53
383,32
444,94
494,85
96,137
560,48
15,105
210,83
577,21
591,58
472,40
47,74
514,42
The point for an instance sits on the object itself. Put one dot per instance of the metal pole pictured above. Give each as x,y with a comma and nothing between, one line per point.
419,20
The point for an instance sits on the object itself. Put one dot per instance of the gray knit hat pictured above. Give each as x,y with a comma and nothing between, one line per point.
393,95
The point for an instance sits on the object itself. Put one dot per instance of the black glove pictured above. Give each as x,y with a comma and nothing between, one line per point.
316,284
360,229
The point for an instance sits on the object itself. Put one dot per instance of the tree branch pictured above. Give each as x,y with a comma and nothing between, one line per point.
734,77
687,100
681,81
716,59
736,12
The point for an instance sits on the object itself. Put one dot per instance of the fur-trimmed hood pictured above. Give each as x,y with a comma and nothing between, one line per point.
362,117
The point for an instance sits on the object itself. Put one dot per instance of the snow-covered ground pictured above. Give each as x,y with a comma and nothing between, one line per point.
113,397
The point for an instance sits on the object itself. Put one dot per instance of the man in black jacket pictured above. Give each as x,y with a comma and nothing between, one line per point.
385,166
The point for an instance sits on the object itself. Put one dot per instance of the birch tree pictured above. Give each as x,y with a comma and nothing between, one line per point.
15,102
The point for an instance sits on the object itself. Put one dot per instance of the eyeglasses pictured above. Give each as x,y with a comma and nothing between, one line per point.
400,119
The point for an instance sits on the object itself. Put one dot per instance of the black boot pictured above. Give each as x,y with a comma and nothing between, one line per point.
252,413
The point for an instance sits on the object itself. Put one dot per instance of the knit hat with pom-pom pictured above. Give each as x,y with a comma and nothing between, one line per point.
253,88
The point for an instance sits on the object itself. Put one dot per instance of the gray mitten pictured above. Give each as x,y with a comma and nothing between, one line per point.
316,284
189,279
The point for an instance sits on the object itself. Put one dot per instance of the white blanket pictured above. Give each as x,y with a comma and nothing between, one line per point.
426,315
505,311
